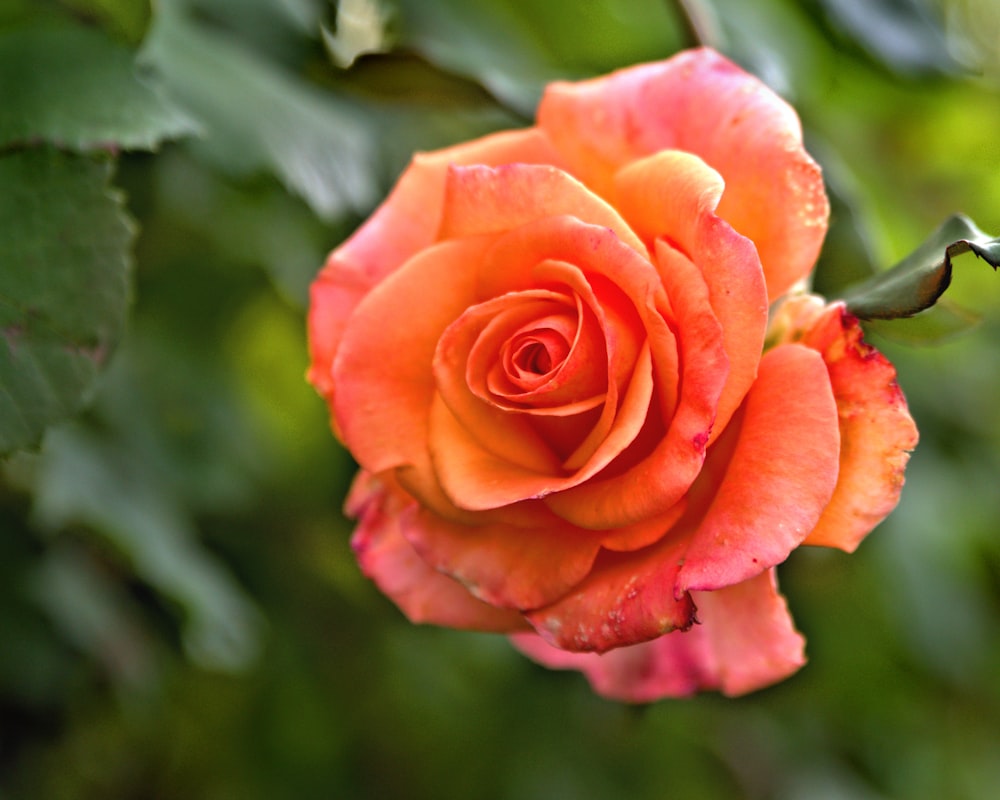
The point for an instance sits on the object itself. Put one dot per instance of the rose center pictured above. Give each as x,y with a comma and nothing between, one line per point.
530,356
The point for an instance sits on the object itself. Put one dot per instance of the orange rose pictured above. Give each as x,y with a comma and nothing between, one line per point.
546,350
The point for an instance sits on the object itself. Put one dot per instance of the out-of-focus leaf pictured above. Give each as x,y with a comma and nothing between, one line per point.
261,225
916,282
125,18
77,88
848,251
81,479
95,615
257,116
515,48
64,285
974,34
774,40
261,17
902,34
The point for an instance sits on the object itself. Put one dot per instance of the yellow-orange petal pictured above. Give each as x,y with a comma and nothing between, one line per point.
477,478
702,103
423,594
876,431
482,200
780,466
406,223
660,478
383,370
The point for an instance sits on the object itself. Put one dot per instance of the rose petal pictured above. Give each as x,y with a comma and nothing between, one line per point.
477,478
674,194
701,103
661,477
627,598
667,194
481,200
383,366
780,462
422,594
504,565
507,437
674,665
746,641
406,223
876,431
752,635
474,475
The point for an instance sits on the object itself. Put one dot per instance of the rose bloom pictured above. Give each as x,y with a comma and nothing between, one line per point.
549,352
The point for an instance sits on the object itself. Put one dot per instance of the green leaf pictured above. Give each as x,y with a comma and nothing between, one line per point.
83,479
907,36
258,115
126,19
64,285
514,48
76,88
916,282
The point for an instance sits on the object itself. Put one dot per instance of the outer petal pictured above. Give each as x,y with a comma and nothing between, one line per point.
627,598
502,564
752,634
421,593
876,431
778,479
700,102
746,641
407,222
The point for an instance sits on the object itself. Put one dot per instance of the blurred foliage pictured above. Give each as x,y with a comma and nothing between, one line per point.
180,612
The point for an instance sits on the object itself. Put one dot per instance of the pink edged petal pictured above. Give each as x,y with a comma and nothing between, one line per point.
779,464
503,565
406,223
702,103
745,641
752,637
481,200
422,594
627,598
383,366
876,431
675,665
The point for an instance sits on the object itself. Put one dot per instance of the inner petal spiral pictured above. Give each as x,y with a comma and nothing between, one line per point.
548,363
530,356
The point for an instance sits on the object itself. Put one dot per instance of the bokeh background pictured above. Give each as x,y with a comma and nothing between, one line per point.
180,612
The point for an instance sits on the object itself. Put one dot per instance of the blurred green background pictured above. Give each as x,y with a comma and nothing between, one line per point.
180,612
